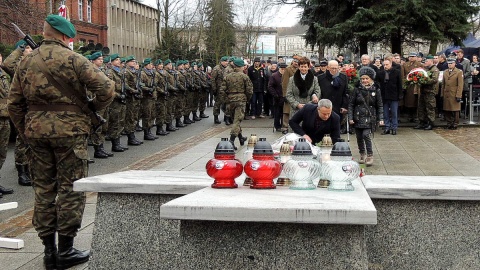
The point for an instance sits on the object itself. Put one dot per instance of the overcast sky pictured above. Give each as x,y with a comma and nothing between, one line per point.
286,17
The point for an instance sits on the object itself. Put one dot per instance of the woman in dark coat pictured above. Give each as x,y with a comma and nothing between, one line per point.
364,110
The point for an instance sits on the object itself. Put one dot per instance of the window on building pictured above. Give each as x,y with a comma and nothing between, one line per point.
89,11
80,10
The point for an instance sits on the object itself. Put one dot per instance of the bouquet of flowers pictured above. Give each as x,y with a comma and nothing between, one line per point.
352,78
416,77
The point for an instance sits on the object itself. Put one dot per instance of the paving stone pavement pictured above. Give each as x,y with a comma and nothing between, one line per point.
411,152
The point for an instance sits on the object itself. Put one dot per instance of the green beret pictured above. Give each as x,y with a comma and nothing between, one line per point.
179,62
114,56
158,62
429,56
62,25
21,42
231,59
238,62
106,59
199,64
88,56
185,62
224,58
168,61
194,63
122,59
129,58
147,61
95,56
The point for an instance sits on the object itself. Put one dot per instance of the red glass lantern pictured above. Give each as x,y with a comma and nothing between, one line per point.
224,167
263,167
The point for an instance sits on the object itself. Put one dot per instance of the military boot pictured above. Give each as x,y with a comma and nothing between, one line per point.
186,120
148,136
116,146
69,256
195,117
151,134
98,152
161,131
232,141
215,119
132,140
104,151
4,190
203,115
420,125
241,139
228,121
429,126
179,123
138,127
49,259
170,127
23,175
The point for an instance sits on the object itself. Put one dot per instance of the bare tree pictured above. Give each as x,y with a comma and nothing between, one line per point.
26,14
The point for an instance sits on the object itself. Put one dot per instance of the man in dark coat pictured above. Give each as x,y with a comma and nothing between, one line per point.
333,85
390,81
275,89
317,120
256,73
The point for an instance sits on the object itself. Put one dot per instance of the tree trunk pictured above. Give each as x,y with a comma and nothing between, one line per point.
396,43
321,51
363,46
433,47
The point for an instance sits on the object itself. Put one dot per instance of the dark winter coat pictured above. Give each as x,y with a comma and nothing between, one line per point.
334,89
258,78
391,86
275,87
307,116
366,106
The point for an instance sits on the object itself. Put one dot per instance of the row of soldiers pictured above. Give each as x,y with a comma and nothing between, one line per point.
157,93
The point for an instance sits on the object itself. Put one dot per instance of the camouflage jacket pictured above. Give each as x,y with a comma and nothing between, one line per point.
148,81
160,83
217,78
4,87
189,79
115,74
227,70
173,80
182,80
237,86
431,85
31,87
131,81
10,63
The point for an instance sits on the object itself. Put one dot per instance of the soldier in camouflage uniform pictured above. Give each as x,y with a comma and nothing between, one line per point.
239,89
174,96
117,108
203,94
56,130
181,98
98,137
21,155
426,97
191,95
149,97
217,78
4,123
162,95
133,100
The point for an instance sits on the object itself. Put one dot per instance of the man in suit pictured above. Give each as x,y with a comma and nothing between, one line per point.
317,120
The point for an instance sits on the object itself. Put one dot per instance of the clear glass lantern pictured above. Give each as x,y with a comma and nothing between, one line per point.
248,154
341,169
302,168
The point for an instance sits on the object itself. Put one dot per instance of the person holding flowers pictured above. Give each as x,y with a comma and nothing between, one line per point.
426,97
411,95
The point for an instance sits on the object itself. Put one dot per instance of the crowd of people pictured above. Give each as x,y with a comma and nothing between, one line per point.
59,101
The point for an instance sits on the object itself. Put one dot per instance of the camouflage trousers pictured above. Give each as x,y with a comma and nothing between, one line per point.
202,100
192,97
169,108
98,137
160,110
116,122
148,112
238,110
180,105
132,111
219,101
21,152
4,136
426,107
55,164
